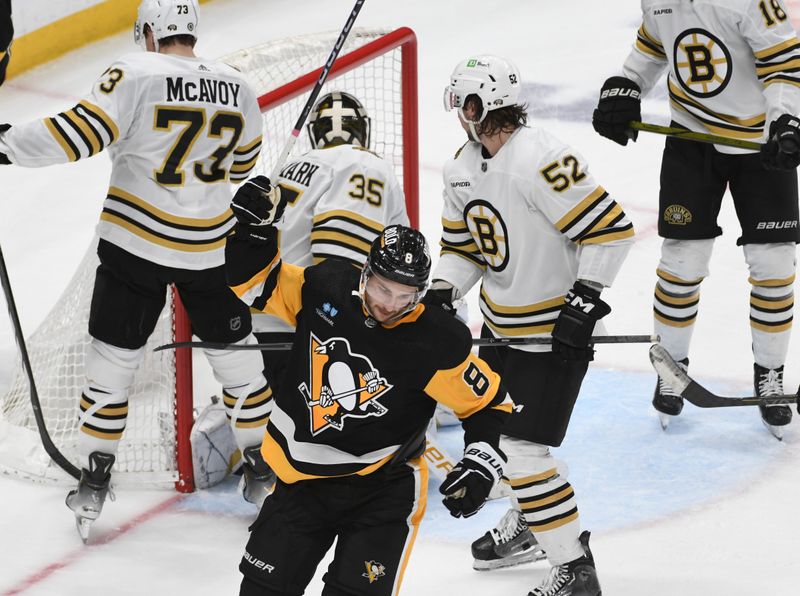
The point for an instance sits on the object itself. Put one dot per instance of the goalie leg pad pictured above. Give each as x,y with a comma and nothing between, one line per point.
214,449
772,272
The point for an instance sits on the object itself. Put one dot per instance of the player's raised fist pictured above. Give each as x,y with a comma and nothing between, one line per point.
258,203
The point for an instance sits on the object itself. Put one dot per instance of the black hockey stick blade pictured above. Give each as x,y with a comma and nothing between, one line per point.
478,341
696,394
44,435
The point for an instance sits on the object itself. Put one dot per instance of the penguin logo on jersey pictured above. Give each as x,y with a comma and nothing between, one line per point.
489,231
342,385
374,571
702,63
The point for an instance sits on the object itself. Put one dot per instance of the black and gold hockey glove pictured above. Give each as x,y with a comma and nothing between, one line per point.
468,484
620,103
782,149
258,203
574,326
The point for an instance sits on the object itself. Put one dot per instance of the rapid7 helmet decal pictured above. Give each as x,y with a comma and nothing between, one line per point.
341,385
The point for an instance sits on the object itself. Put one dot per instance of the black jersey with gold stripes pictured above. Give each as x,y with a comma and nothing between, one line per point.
528,221
178,130
338,200
733,64
355,392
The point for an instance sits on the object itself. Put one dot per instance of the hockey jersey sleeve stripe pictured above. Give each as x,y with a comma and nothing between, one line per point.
581,210
473,257
773,52
62,139
77,127
251,146
610,215
187,223
607,236
104,119
98,144
647,44
791,64
526,310
783,79
244,167
368,224
520,329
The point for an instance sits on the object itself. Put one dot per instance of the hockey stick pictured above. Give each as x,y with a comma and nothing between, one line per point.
47,442
290,142
477,341
696,394
682,133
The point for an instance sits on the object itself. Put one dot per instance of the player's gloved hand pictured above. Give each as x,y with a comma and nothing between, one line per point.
468,484
258,203
4,161
620,103
440,294
782,149
575,324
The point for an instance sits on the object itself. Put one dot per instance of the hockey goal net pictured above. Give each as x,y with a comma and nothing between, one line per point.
377,66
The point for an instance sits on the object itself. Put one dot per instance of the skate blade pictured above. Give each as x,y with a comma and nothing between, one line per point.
83,524
664,420
776,431
531,556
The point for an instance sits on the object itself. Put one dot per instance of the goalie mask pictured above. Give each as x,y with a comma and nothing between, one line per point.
494,80
399,254
338,119
165,19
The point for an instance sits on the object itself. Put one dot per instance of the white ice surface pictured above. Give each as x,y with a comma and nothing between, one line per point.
709,507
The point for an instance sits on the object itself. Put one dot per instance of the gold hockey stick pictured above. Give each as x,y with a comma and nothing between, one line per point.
682,133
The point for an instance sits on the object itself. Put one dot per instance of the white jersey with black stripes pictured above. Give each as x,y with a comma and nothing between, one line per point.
178,130
732,64
338,201
528,221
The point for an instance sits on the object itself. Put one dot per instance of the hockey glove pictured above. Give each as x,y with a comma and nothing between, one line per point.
620,103
575,324
467,486
4,161
258,203
440,294
782,149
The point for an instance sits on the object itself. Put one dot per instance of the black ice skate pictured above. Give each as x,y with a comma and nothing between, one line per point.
258,479
768,382
667,403
510,543
87,500
576,578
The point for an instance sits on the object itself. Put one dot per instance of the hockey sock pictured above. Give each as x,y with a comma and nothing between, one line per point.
675,305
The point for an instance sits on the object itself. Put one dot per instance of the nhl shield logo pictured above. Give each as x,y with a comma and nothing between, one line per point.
342,385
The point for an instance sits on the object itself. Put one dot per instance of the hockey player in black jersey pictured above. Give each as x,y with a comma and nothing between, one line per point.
6,35
346,434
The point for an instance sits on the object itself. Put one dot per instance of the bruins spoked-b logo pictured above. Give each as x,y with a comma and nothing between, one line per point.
343,385
489,231
703,64
677,215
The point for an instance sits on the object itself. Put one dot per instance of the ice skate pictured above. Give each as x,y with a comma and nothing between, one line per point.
576,578
510,543
258,479
667,403
87,500
769,382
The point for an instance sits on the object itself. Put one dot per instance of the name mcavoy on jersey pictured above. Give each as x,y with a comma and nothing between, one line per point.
208,90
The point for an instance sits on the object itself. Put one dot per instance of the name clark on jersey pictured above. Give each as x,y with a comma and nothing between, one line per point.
208,90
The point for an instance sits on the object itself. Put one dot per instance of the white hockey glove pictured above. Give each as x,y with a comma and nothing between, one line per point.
468,485
258,203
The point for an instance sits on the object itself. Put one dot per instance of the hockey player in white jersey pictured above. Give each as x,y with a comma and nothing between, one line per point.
340,196
179,129
523,215
732,71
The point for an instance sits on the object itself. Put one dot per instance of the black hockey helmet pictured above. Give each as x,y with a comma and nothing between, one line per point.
401,254
338,119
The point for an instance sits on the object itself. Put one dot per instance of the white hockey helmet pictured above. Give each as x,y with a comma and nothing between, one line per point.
165,19
493,79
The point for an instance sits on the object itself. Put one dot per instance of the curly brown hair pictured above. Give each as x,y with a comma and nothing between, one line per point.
506,119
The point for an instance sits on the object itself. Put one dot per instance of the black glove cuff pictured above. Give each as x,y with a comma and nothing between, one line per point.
256,234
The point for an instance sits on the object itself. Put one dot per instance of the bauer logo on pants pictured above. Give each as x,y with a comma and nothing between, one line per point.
341,385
